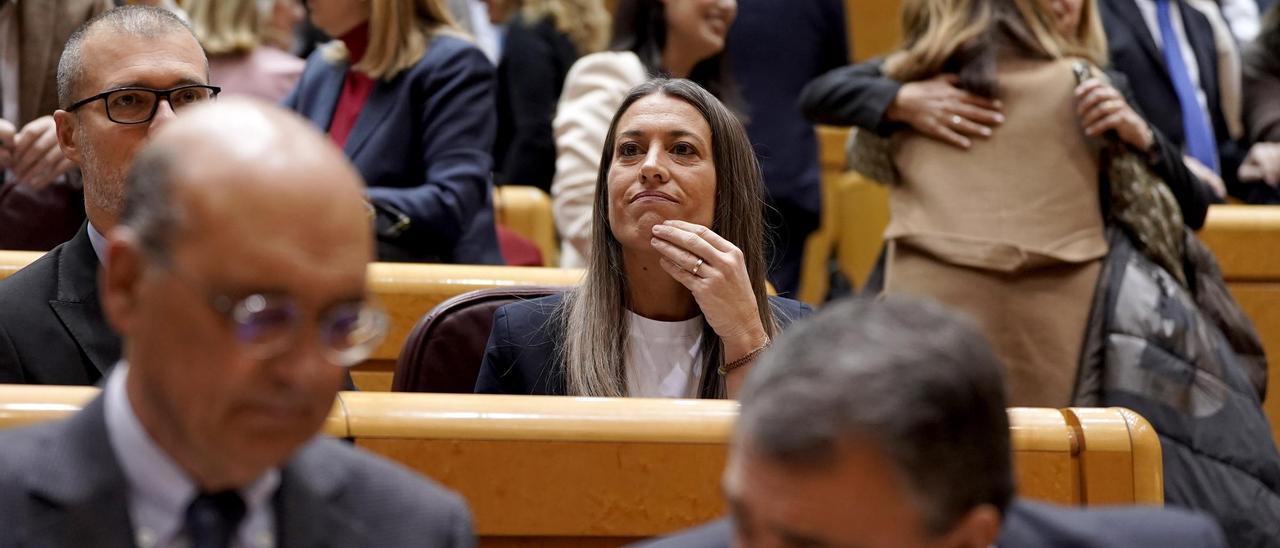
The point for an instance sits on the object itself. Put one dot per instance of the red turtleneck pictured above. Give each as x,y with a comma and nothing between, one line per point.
355,88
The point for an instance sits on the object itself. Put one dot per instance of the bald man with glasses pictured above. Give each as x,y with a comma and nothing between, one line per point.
122,75
239,315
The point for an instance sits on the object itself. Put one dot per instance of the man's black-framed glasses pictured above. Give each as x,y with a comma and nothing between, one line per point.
138,105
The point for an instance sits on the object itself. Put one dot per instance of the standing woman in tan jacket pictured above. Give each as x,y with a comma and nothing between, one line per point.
1009,231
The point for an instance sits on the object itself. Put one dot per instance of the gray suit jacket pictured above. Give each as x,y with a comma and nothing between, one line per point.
60,485
1035,525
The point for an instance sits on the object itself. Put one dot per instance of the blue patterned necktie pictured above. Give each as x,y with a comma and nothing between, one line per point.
212,519
1200,141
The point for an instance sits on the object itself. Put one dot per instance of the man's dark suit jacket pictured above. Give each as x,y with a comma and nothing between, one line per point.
521,356
772,66
60,485
423,144
1133,52
536,57
52,330
1035,525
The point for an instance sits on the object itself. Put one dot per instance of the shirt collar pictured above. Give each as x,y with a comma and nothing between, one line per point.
96,239
159,490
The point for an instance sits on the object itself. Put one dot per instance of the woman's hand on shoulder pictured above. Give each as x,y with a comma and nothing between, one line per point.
1102,108
938,108
715,271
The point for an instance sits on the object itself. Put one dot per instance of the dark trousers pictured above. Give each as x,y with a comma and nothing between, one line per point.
788,228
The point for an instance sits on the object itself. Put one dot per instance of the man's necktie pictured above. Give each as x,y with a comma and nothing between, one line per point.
212,519
1200,141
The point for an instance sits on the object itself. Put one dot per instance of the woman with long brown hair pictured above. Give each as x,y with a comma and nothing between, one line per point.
674,301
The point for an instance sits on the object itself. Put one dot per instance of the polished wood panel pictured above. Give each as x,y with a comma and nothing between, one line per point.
551,471
13,261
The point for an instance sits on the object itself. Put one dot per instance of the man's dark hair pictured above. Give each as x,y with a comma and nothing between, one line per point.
915,380
140,21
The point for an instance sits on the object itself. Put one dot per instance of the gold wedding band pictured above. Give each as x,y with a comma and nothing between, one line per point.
696,267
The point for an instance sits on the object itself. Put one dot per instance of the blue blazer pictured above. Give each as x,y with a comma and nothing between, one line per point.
422,144
521,357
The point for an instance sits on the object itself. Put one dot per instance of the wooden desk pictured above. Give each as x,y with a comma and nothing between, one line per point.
556,471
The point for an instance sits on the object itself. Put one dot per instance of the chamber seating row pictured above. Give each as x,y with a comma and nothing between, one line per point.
554,471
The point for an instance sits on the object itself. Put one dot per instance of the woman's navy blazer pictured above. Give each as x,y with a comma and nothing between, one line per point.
423,145
522,358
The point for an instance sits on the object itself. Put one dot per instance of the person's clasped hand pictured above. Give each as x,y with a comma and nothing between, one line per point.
938,108
1102,108
714,270
1262,164
36,158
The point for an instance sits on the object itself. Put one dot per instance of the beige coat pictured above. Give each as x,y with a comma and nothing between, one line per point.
1009,231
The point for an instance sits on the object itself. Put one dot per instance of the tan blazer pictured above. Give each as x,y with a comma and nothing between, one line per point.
38,219
1026,197
43,28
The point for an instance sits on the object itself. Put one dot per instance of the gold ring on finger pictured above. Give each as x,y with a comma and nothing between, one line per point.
696,267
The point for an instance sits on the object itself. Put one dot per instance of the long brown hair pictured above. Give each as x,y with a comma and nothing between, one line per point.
965,36
594,314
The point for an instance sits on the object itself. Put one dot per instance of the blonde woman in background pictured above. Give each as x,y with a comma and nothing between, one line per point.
543,39
409,98
242,39
1009,231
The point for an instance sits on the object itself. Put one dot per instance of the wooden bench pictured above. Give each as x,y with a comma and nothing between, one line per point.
407,292
1246,241
554,471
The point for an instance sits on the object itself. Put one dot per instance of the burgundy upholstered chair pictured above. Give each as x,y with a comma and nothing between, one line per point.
444,350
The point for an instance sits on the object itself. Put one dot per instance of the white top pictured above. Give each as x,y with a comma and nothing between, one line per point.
160,491
593,90
663,359
1243,17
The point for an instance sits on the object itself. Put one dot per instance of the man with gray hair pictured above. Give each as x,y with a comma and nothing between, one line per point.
883,424
240,315
123,74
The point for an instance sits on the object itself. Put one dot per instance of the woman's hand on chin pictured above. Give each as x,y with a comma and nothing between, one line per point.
714,270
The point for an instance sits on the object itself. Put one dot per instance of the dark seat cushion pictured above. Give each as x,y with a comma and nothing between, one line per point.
444,350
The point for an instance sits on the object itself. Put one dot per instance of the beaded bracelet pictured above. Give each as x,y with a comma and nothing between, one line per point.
726,368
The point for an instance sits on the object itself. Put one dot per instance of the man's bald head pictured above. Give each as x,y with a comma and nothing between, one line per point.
243,157
237,279
133,21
